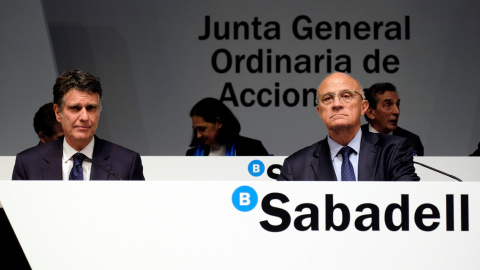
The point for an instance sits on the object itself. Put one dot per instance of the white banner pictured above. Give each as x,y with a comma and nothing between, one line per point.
245,225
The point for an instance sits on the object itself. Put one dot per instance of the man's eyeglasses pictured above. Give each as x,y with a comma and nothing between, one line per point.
344,96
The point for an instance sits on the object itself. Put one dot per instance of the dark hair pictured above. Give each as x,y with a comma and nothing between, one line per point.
78,80
371,94
44,120
211,109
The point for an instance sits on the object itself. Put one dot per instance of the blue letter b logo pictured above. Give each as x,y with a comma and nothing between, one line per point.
244,198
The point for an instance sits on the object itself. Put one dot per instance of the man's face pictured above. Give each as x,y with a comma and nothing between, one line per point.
385,117
341,115
79,117
206,131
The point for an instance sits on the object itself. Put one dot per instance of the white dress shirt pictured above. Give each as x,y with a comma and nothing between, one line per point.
220,150
337,158
67,160
373,130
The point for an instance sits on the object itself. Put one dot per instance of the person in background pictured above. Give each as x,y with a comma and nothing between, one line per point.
216,132
383,113
347,153
77,98
46,125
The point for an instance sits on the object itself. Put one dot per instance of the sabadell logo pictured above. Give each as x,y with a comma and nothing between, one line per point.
366,216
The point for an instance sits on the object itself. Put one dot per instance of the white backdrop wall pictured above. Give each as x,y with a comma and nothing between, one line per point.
155,66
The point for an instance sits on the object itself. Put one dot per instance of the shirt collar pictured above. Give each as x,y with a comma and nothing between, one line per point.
68,151
373,130
354,144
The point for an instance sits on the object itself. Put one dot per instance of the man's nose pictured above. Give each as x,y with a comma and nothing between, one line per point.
83,114
336,101
396,109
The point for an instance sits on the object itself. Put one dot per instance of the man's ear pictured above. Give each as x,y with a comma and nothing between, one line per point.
370,113
57,113
365,107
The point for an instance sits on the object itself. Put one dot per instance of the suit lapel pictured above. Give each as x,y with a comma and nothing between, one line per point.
101,154
322,164
52,161
367,162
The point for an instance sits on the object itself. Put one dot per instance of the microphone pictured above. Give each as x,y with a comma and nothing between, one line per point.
105,169
433,169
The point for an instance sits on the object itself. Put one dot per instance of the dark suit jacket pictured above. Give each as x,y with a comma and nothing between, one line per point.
413,138
44,162
382,158
243,146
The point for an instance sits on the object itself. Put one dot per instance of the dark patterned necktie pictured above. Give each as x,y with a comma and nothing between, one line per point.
347,169
77,171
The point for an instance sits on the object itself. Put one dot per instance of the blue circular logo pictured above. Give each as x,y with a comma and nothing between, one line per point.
256,168
244,198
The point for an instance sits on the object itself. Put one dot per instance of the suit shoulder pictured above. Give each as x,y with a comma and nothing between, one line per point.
31,151
250,147
405,133
388,139
304,152
382,140
242,139
118,149
39,150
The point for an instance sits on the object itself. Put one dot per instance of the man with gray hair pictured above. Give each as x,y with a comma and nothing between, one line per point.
347,153
77,97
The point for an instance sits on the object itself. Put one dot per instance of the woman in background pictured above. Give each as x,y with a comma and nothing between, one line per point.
216,132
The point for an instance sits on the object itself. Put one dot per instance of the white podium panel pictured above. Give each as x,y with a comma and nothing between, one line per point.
224,225
265,168
243,168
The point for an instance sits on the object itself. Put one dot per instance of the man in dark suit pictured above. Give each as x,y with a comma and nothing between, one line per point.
383,113
348,154
77,104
